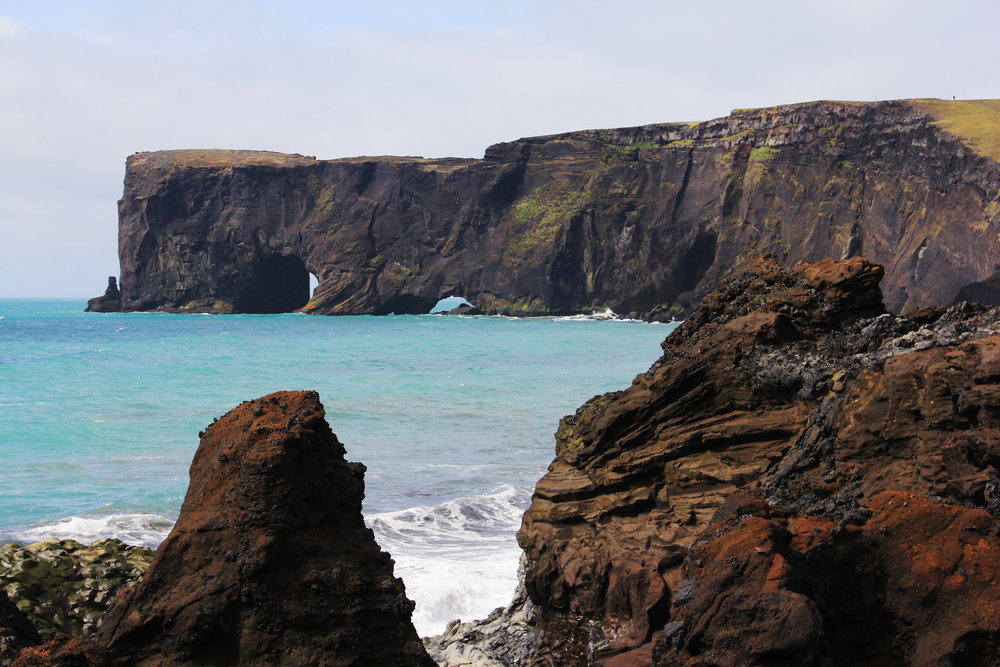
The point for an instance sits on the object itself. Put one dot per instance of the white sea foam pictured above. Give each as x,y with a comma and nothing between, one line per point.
146,529
457,559
597,315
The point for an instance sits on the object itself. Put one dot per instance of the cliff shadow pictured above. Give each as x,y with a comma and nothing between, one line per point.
280,285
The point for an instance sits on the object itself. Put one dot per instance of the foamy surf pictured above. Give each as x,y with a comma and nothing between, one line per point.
606,315
145,529
458,559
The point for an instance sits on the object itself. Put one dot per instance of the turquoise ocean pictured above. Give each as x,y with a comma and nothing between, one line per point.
453,416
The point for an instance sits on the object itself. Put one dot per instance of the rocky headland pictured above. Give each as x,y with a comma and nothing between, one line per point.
643,220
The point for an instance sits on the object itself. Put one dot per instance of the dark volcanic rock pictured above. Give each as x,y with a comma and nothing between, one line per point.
111,302
270,561
464,309
640,220
16,631
872,439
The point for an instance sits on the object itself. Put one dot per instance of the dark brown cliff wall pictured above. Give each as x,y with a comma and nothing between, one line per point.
637,219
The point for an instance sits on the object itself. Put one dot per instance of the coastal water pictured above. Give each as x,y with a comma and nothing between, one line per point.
453,416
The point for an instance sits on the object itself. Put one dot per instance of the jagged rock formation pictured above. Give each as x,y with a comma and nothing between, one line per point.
866,447
641,220
110,302
270,561
64,587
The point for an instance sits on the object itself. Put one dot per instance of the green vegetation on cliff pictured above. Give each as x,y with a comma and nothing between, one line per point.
975,122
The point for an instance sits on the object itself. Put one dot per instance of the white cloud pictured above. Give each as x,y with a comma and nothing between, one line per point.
9,27
80,90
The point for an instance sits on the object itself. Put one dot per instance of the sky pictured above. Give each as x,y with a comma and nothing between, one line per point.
85,84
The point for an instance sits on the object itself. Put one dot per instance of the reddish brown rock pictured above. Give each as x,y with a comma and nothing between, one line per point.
916,584
270,561
64,651
796,385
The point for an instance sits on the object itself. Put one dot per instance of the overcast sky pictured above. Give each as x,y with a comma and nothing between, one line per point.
84,84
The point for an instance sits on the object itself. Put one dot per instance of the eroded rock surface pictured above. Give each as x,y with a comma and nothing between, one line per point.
64,587
914,583
867,442
640,220
16,631
270,561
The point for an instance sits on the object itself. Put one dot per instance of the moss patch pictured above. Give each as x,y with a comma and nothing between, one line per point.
763,154
538,218
396,273
975,122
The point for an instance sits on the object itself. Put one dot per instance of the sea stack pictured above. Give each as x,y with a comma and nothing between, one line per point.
270,561
110,302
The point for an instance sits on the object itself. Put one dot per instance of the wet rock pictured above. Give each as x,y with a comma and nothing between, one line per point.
64,587
270,561
465,309
502,639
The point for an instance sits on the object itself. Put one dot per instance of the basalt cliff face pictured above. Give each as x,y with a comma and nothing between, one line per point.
801,479
641,220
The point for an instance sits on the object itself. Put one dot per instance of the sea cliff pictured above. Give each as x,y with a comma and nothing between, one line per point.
643,220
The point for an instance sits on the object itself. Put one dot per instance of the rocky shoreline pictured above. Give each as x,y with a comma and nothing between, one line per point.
801,479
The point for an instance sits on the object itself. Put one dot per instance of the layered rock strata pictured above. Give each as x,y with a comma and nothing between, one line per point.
270,561
866,449
642,220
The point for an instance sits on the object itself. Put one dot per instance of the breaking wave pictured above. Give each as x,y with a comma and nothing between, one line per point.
145,529
458,559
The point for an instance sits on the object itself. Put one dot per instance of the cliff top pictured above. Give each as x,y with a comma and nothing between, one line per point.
974,122
223,157
217,157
